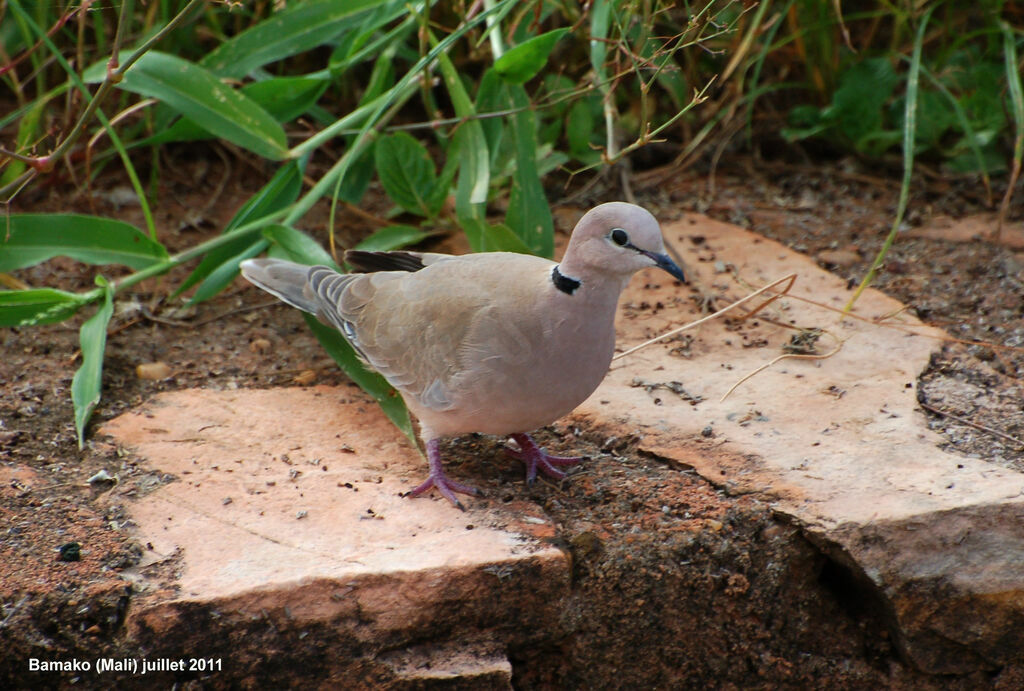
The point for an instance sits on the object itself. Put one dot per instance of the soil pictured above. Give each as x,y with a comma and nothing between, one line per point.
836,211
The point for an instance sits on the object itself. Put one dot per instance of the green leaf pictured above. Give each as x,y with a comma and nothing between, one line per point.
36,306
934,118
282,190
581,130
600,23
88,380
389,400
298,246
226,272
34,238
522,63
286,98
499,237
473,155
407,173
528,215
985,159
199,95
490,98
858,102
300,27
392,238
28,134
367,42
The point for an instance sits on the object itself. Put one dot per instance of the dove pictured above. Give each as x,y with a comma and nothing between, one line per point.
495,343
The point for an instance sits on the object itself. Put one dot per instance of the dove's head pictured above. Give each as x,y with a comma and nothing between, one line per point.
616,239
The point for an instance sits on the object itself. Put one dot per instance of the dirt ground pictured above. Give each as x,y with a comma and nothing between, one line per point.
837,211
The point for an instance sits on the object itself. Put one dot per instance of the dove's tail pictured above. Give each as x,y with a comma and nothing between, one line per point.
285,280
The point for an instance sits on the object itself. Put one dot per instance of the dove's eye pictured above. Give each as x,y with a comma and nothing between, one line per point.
619,237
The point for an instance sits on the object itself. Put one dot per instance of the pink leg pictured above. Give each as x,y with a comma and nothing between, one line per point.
535,457
440,481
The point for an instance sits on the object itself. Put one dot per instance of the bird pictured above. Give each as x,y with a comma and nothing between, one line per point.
495,343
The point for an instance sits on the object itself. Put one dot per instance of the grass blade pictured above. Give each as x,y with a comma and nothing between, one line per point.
35,238
1017,107
529,214
909,131
88,380
36,306
474,158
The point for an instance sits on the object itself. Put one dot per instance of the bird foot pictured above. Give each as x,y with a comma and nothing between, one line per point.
536,459
439,481
446,487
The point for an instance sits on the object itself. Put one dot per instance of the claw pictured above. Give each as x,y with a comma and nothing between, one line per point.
439,481
536,458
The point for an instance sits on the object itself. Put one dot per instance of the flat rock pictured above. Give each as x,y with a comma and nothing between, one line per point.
276,511
285,504
836,443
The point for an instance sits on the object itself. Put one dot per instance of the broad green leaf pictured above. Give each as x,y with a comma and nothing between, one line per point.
522,63
282,190
199,95
298,246
300,27
392,238
499,237
88,380
284,98
407,172
182,130
858,102
581,130
934,118
33,238
36,306
529,214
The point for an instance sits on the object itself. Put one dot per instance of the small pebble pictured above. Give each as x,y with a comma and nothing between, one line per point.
153,371
305,377
71,551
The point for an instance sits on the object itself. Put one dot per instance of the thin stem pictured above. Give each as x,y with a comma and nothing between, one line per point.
909,131
494,32
193,252
105,87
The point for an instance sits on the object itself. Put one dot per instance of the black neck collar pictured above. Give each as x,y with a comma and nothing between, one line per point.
564,283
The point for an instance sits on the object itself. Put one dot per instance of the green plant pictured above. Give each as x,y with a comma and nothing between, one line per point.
260,71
